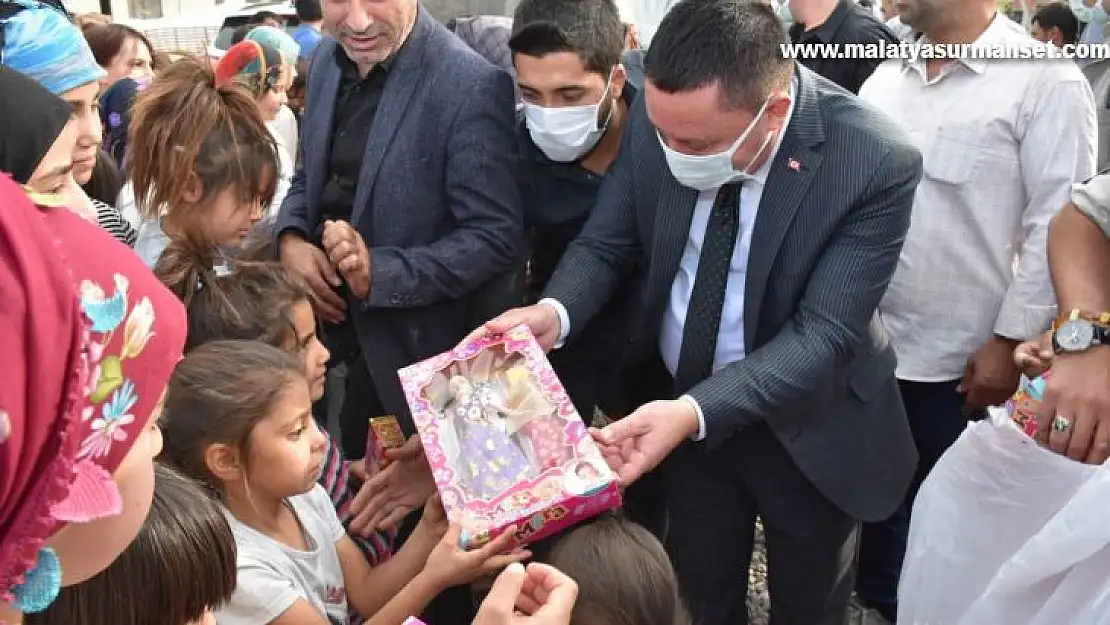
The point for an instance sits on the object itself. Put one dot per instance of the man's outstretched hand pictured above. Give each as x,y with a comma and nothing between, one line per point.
540,318
639,442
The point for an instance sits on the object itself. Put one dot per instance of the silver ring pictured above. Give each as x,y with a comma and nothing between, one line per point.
1061,424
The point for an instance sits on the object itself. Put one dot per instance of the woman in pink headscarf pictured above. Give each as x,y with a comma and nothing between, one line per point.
89,340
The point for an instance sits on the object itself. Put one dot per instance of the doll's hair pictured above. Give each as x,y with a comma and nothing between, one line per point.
218,394
185,130
180,565
624,575
253,303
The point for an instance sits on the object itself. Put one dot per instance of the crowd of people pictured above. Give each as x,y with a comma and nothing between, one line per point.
776,290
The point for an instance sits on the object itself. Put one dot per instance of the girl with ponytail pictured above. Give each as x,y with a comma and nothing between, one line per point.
203,165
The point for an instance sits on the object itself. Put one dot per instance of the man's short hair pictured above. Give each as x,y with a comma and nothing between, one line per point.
592,29
308,10
734,43
1058,15
262,16
240,33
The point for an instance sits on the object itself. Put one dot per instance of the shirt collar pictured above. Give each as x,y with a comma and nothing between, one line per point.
999,31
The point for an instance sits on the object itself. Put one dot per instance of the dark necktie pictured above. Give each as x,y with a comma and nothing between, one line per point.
703,315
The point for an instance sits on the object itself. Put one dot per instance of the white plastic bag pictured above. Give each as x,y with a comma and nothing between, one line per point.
1007,533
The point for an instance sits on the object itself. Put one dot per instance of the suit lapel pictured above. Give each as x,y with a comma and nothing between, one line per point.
788,180
320,126
403,78
674,211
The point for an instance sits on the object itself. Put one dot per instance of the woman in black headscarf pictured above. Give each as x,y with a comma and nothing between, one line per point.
37,149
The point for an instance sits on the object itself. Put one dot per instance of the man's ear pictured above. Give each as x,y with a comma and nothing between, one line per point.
618,79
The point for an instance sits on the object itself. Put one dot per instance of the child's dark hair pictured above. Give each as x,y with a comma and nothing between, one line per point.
218,393
180,565
184,130
255,302
624,575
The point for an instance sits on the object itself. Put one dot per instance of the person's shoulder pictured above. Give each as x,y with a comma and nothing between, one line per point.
849,118
866,28
454,57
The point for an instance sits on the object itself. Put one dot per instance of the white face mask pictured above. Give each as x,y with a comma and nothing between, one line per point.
710,171
1089,14
565,134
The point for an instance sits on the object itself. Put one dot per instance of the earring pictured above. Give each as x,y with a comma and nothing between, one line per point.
40,585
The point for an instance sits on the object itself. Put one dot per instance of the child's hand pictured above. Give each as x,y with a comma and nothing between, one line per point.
449,565
434,519
396,490
538,595
1034,357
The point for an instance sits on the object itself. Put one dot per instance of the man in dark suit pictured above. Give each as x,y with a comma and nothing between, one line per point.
768,207
404,205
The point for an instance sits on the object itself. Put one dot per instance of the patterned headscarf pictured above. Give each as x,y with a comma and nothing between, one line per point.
40,41
277,39
94,338
254,65
115,115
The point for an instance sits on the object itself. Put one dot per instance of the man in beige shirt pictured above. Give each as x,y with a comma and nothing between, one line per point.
1003,141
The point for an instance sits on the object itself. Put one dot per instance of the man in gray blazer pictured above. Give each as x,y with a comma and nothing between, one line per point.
404,208
769,208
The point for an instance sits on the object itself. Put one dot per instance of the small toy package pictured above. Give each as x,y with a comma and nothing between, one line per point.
384,433
1022,407
504,441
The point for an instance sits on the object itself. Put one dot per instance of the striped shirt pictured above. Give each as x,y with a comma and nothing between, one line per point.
111,220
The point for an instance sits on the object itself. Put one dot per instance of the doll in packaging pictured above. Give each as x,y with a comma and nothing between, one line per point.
487,413
504,441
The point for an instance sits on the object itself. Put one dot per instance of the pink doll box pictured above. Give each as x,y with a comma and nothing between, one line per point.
504,441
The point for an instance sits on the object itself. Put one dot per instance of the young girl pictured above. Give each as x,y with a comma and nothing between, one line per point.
623,573
238,417
262,71
92,340
179,568
263,301
202,163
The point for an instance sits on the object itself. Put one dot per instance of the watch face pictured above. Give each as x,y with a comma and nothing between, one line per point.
1075,335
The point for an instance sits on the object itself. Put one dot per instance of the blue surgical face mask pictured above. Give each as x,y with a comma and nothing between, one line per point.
1089,14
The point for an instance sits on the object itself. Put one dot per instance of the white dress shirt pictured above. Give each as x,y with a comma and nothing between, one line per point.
1002,142
730,335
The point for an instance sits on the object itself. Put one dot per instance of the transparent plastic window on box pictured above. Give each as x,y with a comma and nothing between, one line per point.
504,441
